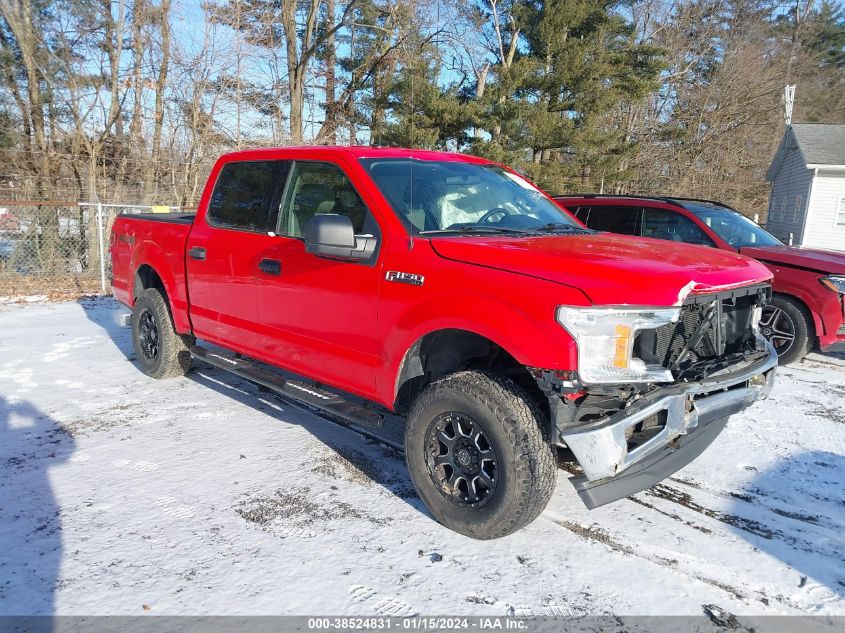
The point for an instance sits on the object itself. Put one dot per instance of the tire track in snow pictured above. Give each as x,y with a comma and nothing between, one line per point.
742,592
808,538
597,535
758,498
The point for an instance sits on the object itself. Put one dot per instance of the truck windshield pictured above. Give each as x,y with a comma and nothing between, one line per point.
457,197
731,226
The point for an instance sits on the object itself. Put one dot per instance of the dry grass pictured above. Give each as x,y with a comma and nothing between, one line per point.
54,287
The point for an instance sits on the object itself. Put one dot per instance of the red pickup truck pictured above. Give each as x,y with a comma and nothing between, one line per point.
450,290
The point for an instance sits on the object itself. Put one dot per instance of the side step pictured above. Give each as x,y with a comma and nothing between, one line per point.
301,392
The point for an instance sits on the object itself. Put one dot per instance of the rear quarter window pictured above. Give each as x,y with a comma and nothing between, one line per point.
242,195
581,212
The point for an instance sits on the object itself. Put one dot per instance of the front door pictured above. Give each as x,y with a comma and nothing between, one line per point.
223,252
319,316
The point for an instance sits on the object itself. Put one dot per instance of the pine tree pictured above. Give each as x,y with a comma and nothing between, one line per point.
556,101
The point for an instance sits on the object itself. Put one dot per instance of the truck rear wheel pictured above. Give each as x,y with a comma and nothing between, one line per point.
478,455
160,350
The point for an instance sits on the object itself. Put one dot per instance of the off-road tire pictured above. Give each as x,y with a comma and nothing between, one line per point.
173,357
802,324
517,432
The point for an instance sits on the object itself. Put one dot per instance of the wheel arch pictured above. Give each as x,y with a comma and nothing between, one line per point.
147,277
153,269
447,350
815,319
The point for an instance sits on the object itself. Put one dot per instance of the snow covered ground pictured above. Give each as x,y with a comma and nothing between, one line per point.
203,495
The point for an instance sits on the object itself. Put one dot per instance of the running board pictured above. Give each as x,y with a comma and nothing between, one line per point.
303,393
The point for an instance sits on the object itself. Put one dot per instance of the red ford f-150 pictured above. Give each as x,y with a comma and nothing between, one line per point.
450,290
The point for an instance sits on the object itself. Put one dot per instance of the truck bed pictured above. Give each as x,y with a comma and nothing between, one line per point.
173,218
157,241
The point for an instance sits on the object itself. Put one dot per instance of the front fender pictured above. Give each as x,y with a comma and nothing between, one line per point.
797,288
532,340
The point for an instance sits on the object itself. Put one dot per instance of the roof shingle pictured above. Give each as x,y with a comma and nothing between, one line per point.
821,143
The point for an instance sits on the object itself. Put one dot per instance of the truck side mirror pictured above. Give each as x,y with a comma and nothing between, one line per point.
331,235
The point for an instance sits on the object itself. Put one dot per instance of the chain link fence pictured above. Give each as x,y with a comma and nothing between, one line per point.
57,248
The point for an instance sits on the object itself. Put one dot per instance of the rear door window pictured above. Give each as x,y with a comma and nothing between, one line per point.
243,195
614,218
664,224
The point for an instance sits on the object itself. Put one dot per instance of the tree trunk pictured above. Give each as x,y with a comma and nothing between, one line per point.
135,127
297,104
152,165
18,15
480,88
331,113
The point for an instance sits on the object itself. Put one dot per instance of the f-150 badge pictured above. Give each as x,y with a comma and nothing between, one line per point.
405,278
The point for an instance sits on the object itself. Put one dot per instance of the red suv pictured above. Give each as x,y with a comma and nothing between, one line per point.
808,305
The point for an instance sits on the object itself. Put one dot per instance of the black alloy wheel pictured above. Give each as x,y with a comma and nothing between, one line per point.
462,462
161,352
148,337
478,452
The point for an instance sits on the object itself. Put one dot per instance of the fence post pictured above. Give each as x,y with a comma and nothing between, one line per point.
102,247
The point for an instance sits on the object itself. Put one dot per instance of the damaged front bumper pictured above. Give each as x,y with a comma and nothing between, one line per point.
692,415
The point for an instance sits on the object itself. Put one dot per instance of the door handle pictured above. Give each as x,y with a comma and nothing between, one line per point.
196,252
270,266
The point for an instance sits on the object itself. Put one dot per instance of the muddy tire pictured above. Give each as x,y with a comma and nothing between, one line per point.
788,325
160,350
477,451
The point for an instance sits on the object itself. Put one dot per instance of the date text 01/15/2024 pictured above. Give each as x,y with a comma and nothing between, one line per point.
417,623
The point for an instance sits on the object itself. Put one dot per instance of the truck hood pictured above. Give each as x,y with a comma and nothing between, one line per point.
816,259
609,269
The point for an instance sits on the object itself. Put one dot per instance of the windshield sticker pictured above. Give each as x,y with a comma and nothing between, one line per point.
521,181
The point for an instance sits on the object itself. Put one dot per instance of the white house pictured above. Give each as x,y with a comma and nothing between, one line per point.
807,204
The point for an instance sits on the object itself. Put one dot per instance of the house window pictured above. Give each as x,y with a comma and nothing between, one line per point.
796,213
840,213
782,214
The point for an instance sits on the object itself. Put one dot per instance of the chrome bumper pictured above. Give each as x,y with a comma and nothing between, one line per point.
602,450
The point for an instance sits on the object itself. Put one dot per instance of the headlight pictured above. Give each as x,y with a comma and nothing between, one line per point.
835,283
605,338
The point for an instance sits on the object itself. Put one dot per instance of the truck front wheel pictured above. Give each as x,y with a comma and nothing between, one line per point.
478,455
161,351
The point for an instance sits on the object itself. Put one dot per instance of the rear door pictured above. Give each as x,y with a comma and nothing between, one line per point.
224,252
319,316
613,218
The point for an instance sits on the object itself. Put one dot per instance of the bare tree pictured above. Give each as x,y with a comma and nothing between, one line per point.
162,20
